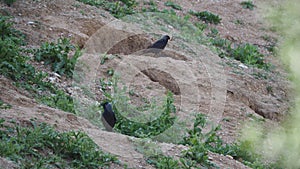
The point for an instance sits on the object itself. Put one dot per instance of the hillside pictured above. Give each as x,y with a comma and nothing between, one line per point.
225,68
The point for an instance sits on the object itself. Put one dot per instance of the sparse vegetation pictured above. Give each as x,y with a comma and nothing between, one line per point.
239,22
41,146
9,2
103,59
200,143
249,55
57,55
248,5
4,105
12,63
173,5
151,128
207,17
117,8
246,53
60,100
164,162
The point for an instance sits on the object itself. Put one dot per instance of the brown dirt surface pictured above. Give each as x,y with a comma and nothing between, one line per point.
229,95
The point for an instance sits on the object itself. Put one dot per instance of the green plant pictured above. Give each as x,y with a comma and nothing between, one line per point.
200,143
4,105
269,89
12,64
207,17
57,55
213,32
239,22
248,5
103,59
154,155
248,54
148,129
117,8
105,84
58,99
244,152
260,75
164,162
221,43
173,5
152,7
9,2
121,8
40,146
110,72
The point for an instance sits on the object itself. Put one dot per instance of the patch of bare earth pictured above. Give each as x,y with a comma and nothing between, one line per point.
246,96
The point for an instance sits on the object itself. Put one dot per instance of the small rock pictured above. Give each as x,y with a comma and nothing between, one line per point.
171,27
243,66
51,79
229,156
30,23
56,75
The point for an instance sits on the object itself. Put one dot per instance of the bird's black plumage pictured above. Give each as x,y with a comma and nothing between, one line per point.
161,43
108,116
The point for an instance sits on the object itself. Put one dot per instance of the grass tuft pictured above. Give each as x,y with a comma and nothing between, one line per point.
173,5
248,5
57,55
207,17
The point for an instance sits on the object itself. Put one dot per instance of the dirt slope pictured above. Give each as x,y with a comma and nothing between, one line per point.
229,95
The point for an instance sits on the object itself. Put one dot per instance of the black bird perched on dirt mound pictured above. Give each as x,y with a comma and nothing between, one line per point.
108,116
161,43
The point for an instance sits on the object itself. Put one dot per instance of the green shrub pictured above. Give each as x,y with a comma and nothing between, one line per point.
4,105
248,5
121,8
249,55
164,162
152,7
57,55
200,143
152,128
13,64
207,17
9,2
173,5
246,53
41,146
117,8
58,99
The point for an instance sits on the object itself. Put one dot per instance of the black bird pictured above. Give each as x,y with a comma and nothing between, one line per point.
108,116
161,43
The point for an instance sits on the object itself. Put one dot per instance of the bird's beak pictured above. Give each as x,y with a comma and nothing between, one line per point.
171,38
